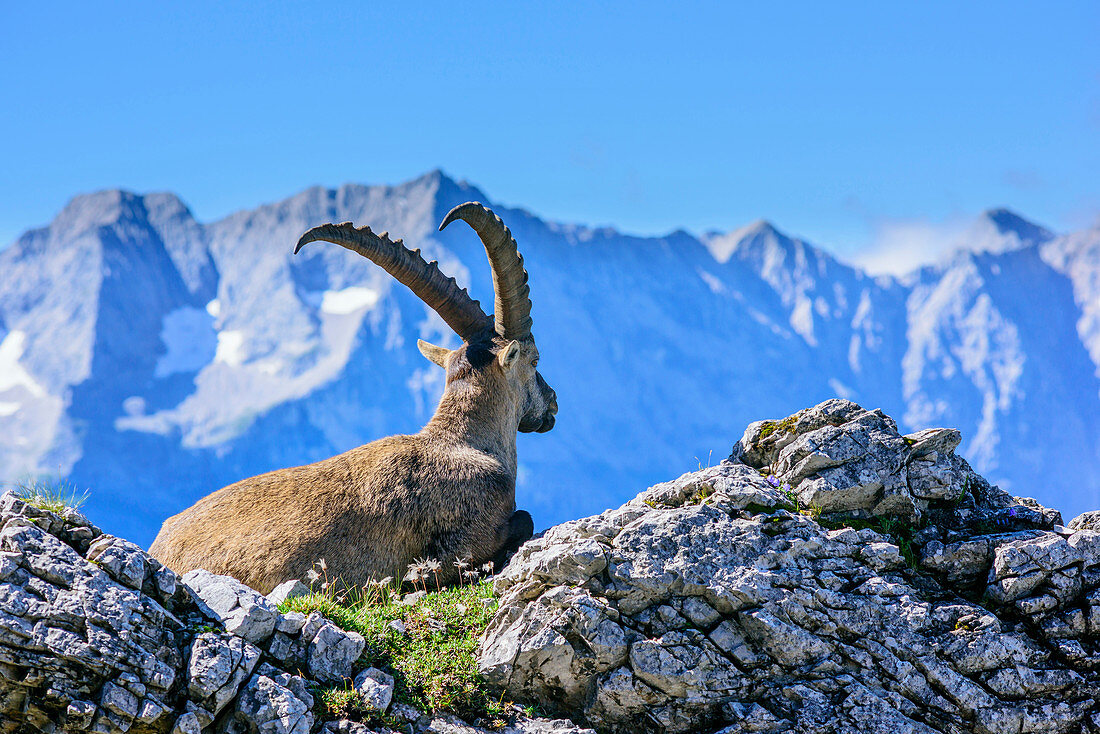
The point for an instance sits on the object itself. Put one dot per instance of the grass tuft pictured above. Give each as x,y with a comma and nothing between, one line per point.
811,511
50,495
434,663
339,702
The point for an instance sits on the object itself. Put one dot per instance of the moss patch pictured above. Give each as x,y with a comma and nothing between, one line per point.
786,425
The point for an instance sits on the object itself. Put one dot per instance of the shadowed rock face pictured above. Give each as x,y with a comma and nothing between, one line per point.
832,576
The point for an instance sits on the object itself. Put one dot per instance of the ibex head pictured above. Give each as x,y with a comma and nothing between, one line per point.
498,355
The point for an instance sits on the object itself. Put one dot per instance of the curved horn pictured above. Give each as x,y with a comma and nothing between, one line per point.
513,298
442,294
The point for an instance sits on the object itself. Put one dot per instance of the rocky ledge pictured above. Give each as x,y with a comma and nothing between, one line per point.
832,575
97,636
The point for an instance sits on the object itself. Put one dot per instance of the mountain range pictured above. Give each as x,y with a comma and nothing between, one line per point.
152,358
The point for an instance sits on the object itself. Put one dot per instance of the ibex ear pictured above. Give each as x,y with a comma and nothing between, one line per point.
508,355
434,353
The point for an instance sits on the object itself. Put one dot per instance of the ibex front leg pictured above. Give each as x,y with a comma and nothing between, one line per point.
519,529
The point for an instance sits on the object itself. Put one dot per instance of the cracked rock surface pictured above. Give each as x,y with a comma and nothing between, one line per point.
98,636
831,576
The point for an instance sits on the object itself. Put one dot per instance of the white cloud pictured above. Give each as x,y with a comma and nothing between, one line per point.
900,246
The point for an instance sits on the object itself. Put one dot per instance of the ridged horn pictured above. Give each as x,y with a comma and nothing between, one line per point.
512,315
442,294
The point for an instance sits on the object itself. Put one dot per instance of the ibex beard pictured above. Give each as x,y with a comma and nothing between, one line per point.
447,492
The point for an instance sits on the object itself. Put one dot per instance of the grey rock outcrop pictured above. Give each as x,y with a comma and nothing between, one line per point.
832,576
97,636
287,589
375,688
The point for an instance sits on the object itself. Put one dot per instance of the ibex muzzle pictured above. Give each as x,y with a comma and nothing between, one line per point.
447,492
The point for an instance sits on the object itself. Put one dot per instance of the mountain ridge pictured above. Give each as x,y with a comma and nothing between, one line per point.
657,345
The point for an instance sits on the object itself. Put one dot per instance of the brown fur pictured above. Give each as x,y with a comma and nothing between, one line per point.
447,492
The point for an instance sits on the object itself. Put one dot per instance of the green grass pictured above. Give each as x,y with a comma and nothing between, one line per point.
51,495
965,494
811,511
710,458
434,664
340,702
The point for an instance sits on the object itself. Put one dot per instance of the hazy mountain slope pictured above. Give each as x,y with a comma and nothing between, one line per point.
994,351
1077,256
154,358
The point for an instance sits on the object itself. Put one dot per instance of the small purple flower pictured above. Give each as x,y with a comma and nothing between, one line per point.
1012,512
786,486
773,480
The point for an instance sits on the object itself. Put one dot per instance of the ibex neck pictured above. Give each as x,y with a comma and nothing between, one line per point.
477,420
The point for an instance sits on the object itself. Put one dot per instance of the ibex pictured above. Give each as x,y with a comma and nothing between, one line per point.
447,492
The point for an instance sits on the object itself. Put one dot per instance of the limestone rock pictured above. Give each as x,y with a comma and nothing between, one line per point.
218,666
833,576
344,726
375,688
287,589
332,652
245,612
290,623
1086,521
97,636
267,706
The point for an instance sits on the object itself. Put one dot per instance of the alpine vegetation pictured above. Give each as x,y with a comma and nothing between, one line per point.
447,492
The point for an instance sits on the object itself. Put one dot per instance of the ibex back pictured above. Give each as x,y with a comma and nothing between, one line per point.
447,492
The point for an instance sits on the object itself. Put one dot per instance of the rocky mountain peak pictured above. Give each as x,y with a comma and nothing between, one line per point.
1008,222
753,237
1002,230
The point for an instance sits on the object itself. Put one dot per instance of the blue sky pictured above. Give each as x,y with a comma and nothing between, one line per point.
838,122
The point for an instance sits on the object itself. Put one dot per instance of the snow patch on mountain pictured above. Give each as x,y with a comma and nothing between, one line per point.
30,418
13,375
1077,256
344,301
190,341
